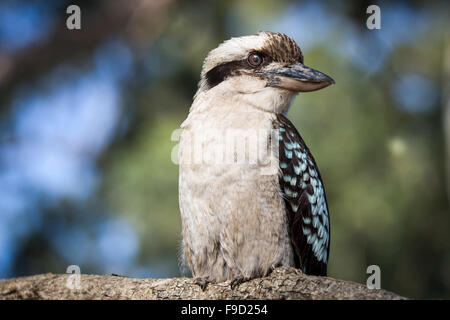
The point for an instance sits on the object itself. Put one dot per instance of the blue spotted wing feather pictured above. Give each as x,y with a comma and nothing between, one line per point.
305,201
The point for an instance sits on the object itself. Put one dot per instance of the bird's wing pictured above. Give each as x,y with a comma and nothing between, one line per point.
305,201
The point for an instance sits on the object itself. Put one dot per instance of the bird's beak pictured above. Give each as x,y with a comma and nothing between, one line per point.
298,78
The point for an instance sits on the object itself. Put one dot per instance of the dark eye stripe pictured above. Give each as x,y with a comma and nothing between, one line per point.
219,73
222,71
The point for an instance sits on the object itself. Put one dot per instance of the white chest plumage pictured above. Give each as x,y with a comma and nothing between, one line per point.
233,217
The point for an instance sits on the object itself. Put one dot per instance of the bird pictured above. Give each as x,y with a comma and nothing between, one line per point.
240,218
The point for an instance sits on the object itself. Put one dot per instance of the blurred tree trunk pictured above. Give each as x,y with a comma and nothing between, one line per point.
282,283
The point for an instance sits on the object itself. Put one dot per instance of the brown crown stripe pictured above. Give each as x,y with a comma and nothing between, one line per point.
279,47
282,48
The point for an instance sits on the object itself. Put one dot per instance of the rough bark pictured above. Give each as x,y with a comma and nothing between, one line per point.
282,283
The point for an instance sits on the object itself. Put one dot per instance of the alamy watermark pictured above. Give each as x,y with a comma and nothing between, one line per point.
73,22
374,20
74,280
214,147
374,280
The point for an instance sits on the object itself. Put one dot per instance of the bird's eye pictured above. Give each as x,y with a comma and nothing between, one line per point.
254,59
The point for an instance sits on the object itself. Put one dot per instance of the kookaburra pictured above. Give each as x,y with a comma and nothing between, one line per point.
238,221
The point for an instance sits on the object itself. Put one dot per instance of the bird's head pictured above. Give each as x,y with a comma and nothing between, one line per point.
265,69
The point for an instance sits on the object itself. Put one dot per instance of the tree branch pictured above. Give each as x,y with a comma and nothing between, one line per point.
282,283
